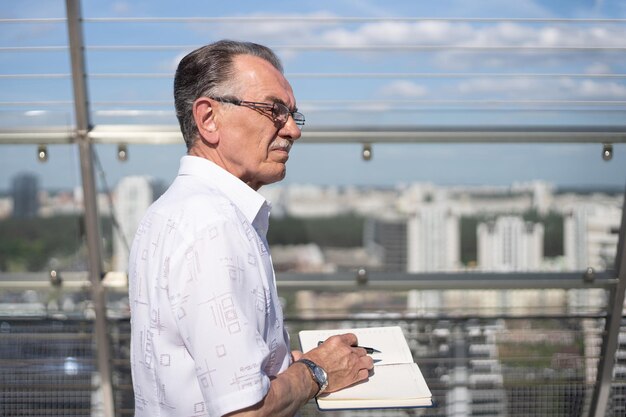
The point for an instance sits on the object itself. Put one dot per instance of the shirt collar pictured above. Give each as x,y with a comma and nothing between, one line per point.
245,198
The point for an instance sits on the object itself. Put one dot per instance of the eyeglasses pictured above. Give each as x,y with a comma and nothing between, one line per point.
280,112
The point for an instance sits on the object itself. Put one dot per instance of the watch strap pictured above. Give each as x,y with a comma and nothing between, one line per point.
314,368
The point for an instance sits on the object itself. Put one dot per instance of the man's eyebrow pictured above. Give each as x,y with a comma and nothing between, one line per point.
275,99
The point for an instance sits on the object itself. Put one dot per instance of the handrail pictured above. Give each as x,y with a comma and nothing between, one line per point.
612,326
350,281
170,134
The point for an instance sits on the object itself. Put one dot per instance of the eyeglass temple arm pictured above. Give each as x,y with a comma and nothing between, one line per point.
256,105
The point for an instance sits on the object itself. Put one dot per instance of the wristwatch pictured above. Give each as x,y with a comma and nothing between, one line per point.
319,374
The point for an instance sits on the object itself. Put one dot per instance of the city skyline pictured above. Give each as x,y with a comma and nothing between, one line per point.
419,228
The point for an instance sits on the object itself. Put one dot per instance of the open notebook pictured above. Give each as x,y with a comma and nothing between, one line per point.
396,380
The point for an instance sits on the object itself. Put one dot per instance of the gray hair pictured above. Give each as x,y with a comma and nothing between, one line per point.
208,71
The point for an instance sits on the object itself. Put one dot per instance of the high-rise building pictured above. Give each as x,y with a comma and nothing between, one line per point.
133,196
590,236
542,196
386,239
433,240
25,190
510,244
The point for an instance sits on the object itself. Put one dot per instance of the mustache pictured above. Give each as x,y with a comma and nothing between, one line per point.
281,143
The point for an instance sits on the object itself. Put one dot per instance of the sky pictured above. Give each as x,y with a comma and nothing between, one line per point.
406,78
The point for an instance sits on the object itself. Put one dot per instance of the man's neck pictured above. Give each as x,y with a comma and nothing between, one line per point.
206,152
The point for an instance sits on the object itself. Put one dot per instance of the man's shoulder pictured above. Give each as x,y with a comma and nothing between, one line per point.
196,206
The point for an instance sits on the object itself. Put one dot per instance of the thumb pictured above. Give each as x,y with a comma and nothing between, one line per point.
296,355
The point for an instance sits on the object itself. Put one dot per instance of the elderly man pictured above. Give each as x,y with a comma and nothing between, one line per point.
207,326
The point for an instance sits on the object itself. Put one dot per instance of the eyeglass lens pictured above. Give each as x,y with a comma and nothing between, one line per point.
281,113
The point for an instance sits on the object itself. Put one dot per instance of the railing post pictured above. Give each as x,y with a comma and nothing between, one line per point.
615,306
92,229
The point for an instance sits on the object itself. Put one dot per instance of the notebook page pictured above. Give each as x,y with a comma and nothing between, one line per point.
390,341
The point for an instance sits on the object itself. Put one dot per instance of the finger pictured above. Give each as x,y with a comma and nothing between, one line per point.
363,374
349,338
367,362
359,351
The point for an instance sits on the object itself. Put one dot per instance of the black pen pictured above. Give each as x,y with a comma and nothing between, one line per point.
369,350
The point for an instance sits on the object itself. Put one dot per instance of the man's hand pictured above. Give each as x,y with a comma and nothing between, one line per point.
344,363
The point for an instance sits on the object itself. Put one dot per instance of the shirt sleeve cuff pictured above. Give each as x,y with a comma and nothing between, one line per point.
239,400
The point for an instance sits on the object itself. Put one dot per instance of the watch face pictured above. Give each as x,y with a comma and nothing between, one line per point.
320,375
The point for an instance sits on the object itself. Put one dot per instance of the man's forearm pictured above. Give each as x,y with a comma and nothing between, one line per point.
344,363
288,392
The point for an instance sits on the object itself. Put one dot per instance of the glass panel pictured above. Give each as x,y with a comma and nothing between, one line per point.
405,208
417,208
435,208
42,241
41,209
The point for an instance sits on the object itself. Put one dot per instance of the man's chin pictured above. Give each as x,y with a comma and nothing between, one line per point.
276,174
280,157
281,174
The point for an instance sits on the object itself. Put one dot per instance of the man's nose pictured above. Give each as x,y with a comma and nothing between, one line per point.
291,129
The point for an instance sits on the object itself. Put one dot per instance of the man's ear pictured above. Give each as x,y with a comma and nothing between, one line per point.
204,116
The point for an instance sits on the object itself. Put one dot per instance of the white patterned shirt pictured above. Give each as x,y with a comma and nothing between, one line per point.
206,322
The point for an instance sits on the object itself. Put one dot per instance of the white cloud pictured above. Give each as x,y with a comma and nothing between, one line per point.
598,68
422,32
399,33
172,65
262,28
601,90
498,86
403,89
35,112
434,32
503,34
550,35
121,8
564,88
